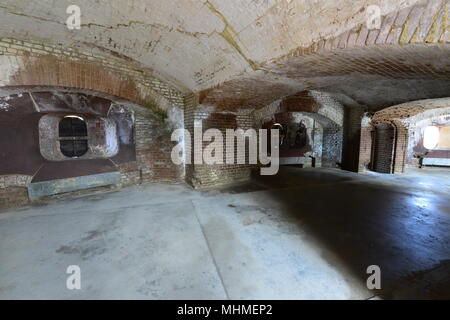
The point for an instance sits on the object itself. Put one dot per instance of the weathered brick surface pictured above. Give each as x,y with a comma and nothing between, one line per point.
412,43
203,175
400,147
415,21
36,64
384,148
7,181
352,137
411,109
365,148
13,196
131,173
389,142
321,106
190,115
209,175
153,150
13,190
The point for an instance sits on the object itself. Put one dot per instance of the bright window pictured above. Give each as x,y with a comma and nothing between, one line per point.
444,138
431,137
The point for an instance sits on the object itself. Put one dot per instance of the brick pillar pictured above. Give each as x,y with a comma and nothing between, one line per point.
205,175
365,148
400,147
352,136
384,144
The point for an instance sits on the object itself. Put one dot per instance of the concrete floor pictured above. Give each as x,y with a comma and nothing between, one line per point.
304,234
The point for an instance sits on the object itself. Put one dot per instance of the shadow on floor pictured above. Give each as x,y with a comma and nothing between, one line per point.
363,223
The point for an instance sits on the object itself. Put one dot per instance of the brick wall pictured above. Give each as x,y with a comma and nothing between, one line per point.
389,147
152,132
13,190
321,106
153,150
209,175
332,146
190,104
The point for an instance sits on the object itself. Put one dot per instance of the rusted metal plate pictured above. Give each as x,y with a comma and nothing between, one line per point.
20,152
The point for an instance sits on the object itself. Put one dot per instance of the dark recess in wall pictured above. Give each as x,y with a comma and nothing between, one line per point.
19,129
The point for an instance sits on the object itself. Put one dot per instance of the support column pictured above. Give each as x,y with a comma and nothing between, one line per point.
400,147
352,137
206,175
365,148
383,148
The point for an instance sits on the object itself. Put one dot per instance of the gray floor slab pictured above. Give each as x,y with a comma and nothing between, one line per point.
261,254
124,252
303,234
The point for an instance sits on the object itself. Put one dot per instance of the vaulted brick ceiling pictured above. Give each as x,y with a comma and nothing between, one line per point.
247,53
411,110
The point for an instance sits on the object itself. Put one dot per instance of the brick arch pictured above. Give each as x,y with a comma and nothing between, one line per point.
366,143
314,102
413,43
54,66
50,71
53,72
413,111
323,107
425,23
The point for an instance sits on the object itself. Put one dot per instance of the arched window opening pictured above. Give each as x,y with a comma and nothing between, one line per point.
431,137
73,137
